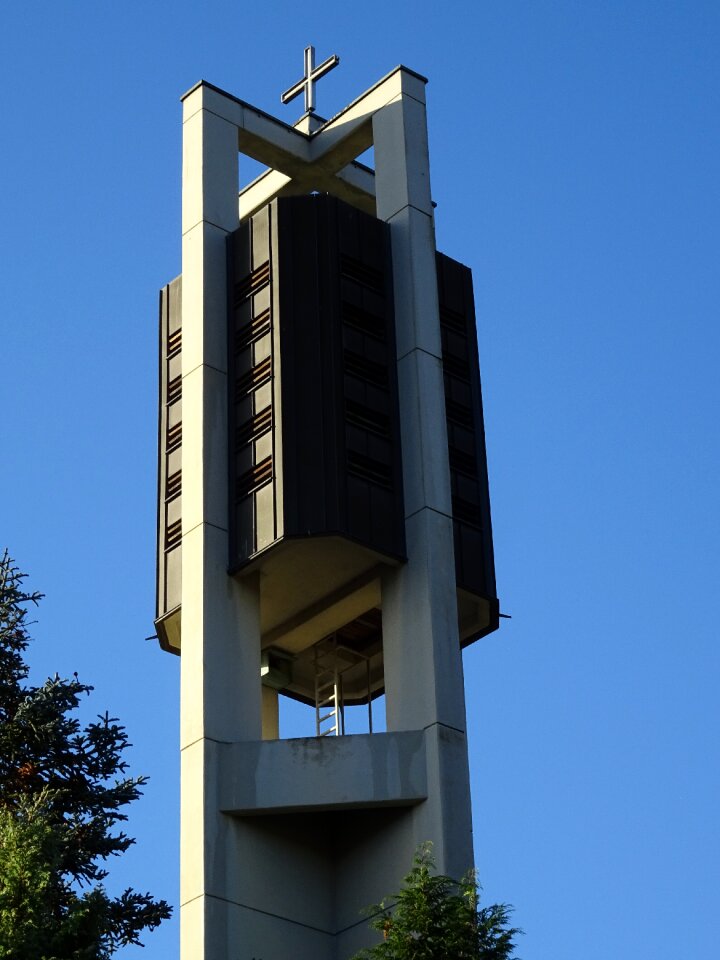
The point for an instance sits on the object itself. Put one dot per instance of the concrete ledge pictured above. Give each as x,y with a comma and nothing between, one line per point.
329,773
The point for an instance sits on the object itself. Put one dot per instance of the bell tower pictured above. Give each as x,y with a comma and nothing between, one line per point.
324,523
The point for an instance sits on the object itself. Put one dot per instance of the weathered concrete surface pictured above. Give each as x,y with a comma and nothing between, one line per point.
370,770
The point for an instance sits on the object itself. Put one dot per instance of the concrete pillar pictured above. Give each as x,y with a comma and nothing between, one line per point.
220,663
270,714
423,664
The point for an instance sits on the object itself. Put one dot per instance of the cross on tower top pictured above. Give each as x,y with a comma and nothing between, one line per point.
312,75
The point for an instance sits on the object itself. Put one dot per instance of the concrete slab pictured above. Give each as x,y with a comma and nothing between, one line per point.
367,770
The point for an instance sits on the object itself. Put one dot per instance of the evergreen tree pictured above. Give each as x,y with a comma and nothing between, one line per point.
436,918
63,790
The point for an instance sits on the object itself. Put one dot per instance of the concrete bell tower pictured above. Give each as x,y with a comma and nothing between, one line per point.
324,524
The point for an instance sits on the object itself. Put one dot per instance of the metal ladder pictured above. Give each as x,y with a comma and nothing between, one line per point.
331,661
328,692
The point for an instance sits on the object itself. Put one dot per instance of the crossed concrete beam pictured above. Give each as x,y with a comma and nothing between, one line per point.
323,160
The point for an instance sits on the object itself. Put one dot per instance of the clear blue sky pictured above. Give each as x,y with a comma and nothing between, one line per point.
575,167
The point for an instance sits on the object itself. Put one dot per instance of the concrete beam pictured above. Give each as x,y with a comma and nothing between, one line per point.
368,770
355,184
323,160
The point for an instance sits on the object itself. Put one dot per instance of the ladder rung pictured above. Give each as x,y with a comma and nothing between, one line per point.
328,696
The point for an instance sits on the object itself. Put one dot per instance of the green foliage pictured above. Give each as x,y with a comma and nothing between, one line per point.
436,918
63,787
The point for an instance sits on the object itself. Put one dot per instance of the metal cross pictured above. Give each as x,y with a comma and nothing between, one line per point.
312,75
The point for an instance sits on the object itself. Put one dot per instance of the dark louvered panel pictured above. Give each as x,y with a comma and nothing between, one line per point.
173,485
251,351
313,384
253,282
367,275
169,564
371,419
474,563
339,322
371,425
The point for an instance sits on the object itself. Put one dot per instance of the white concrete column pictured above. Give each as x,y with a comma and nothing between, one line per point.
220,660
423,664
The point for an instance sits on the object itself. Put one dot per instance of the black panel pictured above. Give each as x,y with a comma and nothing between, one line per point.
169,526
251,361
474,562
313,365
308,321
